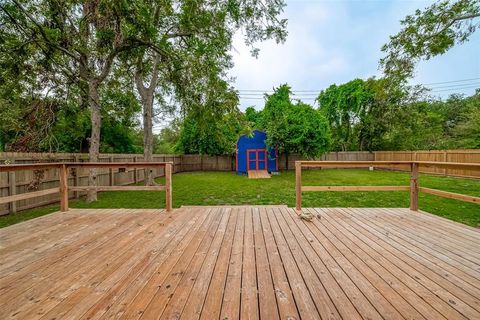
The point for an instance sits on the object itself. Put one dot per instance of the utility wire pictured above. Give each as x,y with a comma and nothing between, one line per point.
432,85
452,89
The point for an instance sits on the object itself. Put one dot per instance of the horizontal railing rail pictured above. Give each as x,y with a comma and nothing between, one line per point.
64,188
414,187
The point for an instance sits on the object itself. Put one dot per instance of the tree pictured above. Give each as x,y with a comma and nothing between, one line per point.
165,141
416,127
360,112
464,128
429,33
344,106
435,124
308,131
79,41
193,39
274,118
218,138
294,127
254,117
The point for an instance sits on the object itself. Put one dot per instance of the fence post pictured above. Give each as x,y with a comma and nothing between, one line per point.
168,186
111,177
414,186
12,190
135,178
63,188
298,185
445,160
76,178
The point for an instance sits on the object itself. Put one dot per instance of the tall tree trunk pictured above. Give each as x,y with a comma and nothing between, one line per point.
148,135
96,122
147,97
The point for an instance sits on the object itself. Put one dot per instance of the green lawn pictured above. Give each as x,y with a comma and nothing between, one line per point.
219,188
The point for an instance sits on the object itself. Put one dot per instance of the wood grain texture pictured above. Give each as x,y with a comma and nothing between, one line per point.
240,262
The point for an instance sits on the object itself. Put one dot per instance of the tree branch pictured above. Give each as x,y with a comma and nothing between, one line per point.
42,32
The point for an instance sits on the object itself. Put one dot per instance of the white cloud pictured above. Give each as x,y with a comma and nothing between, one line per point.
337,41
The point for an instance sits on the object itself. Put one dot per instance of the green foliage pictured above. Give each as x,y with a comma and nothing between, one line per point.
294,127
343,106
73,50
165,141
254,117
429,33
359,112
217,138
436,124
46,125
308,131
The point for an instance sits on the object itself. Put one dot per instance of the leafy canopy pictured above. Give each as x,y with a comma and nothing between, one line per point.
294,127
429,33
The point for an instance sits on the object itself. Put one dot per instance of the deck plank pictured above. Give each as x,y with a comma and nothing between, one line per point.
266,291
106,268
196,280
239,262
304,300
440,288
330,273
133,301
428,236
231,298
287,307
249,294
213,300
157,303
413,296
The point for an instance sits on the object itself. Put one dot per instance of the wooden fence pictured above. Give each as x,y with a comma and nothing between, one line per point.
25,181
68,168
19,182
459,156
413,166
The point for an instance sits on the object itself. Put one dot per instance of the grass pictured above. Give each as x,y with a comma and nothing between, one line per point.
220,188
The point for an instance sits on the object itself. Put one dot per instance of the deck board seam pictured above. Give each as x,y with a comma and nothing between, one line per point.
190,258
390,274
427,278
422,252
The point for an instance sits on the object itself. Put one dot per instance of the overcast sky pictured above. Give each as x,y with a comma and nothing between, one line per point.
337,41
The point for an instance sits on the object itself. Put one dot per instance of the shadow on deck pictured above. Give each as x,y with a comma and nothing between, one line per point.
240,262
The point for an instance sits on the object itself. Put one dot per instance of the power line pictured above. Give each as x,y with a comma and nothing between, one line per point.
295,98
456,85
432,85
462,88
293,94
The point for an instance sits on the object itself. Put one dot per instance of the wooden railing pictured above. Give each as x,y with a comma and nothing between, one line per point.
414,187
63,187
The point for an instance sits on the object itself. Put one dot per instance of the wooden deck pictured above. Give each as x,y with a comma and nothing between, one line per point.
239,262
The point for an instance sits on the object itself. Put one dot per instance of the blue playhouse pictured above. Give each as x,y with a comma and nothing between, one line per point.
252,154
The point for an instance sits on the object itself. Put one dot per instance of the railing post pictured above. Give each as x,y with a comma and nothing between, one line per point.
168,186
63,188
414,186
298,185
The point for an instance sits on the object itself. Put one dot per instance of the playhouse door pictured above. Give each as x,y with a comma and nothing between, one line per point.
257,159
